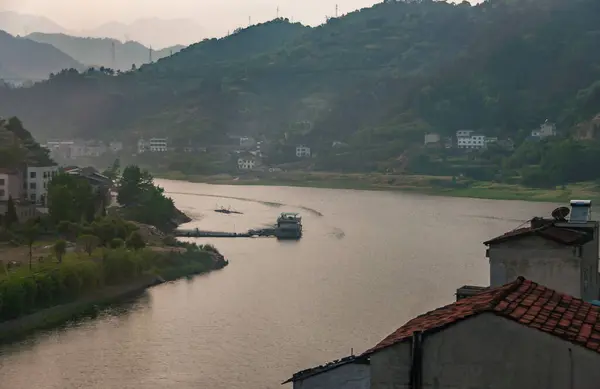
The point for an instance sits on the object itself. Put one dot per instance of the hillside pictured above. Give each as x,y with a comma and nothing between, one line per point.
23,59
21,24
98,51
377,79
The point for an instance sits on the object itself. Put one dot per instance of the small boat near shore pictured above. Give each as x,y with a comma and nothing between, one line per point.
227,211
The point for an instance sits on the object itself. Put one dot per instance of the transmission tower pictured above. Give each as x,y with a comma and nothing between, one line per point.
113,55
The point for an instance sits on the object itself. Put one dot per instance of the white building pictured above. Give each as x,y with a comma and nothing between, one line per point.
115,147
464,133
36,181
246,163
246,141
546,129
474,141
302,151
431,138
154,145
11,184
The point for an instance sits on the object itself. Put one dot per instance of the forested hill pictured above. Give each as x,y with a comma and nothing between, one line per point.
378,78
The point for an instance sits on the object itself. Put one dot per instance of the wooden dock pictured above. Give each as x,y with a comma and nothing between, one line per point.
197,233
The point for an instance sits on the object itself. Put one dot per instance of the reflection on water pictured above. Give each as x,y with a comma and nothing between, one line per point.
368,262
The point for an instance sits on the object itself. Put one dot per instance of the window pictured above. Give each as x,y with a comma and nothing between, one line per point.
2,193
1,181
32,197
45,175
32,175
33,186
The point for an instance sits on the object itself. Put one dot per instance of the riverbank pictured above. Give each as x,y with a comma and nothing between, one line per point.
429,185
177,264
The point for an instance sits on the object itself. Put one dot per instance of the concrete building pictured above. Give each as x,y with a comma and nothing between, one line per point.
247,162
246,141
464,133
432,139
36,182
347,373
560,253
546,129
11,184
520,335
474,141
25,210
302,151
154,145
115,146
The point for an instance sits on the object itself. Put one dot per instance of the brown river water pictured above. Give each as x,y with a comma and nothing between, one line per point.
368,262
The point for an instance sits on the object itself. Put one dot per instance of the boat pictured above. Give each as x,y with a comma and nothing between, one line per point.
227,211
289,226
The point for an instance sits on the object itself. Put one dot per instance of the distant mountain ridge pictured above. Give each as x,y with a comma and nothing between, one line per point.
98,51
158,33
24,59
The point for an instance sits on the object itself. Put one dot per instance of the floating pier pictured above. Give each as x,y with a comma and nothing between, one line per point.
197,233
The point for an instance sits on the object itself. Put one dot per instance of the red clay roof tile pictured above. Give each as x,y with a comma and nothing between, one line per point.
522,301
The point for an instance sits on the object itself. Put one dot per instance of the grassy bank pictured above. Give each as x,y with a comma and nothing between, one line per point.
52,293
430,185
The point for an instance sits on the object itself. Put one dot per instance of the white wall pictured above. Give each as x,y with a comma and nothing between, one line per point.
350,376
548,263
489,352
41,183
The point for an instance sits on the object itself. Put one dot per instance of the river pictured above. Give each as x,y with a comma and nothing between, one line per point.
368,262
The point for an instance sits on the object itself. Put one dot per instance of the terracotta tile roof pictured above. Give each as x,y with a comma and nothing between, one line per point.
562,235
304,374
522,301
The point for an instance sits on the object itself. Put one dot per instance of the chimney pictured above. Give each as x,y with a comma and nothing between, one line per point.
581,211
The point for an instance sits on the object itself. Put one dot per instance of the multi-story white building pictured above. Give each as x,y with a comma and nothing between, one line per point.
546,129
36,182
302,151
11,184
154,145
432,138
474,141
246,163
464,133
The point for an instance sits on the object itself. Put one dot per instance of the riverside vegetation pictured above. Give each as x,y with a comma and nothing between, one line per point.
95,251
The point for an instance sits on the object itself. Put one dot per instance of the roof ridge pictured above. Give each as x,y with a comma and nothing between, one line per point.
510,288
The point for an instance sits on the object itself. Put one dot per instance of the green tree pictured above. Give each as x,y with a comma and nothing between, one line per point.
114,170
135,241
133,184
70,198
60,248
117,243
89,243
31,233
11,213
64,228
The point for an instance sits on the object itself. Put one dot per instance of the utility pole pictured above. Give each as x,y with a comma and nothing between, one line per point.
277,12
150,53
336,10
113,55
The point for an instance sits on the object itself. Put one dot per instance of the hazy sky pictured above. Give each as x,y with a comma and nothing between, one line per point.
214,15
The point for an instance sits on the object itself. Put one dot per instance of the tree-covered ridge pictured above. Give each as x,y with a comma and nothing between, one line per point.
377,79
18,147
98,51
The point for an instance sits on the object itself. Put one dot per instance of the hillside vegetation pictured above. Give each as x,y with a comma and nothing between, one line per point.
98,51
377,79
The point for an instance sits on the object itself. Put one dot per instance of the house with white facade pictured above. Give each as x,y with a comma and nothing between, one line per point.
347,373
432,139
247,162
519,335
464,133
154,145
473,141
11,184
302,151
546,130
36,182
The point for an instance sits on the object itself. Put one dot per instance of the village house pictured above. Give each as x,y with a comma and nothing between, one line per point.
347,373
11,184
546,129
36,182
560,253
25,210
246,141
431,139
302,151
519,335
96,180
154,145
247,162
